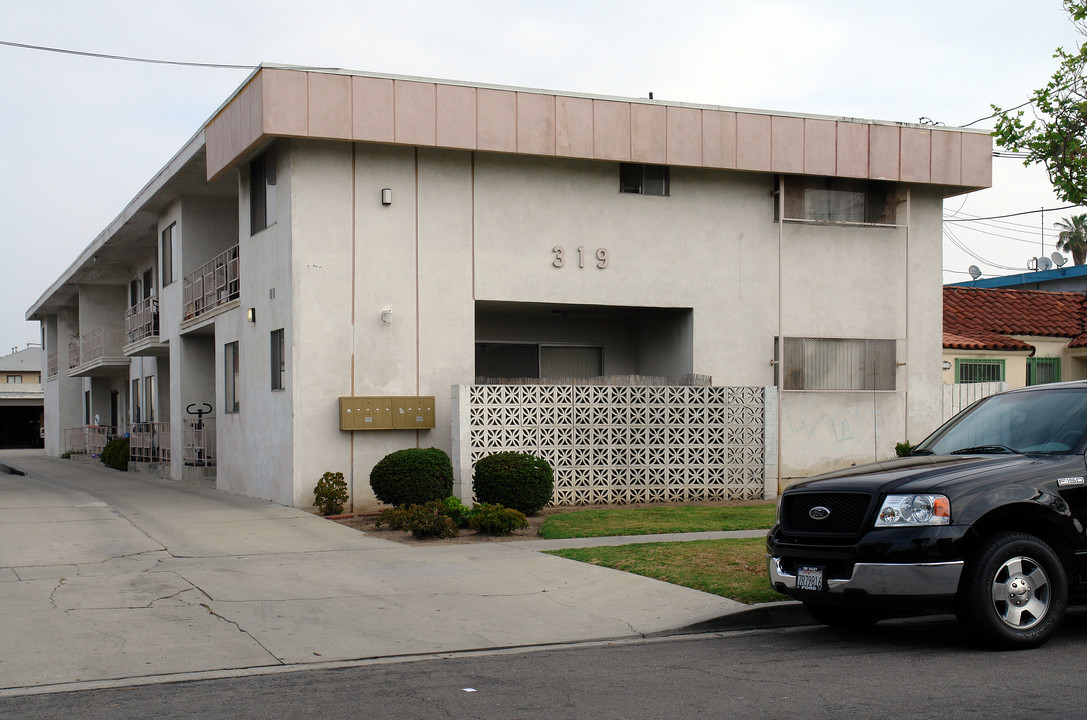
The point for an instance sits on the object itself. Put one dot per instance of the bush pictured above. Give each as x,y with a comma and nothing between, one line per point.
904,448
330,493
516,480
459,512
115,454
414,476
422,521
497,520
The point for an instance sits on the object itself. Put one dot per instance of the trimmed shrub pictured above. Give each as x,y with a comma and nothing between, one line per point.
422,521
497,520
903,449
412,477
515,480
115,454
330,493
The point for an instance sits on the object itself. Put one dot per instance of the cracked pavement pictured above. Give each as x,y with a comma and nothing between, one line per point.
109,576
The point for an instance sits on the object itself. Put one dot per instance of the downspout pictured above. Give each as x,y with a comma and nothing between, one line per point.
781,339
906,340
354,270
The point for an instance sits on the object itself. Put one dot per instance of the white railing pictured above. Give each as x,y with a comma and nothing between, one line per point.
199,442
214,283
94,345
89,439
149,442
959,396
142,320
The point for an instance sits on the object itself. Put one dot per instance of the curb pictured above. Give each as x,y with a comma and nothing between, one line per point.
787,613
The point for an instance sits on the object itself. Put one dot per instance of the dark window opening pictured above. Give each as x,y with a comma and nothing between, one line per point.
262,191
839,200
644,179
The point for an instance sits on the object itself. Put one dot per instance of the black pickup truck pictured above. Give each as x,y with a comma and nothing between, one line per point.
985,518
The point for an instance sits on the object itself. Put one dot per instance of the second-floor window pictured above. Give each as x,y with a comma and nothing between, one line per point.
167,254
839,200
643,179
262,191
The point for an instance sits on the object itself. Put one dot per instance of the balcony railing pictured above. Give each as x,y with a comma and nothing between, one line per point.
54,364
95,345
211,285
142,320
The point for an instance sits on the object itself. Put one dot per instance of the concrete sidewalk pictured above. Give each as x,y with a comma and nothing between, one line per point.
106,576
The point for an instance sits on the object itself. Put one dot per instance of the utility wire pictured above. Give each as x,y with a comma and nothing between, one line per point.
126,58
997,217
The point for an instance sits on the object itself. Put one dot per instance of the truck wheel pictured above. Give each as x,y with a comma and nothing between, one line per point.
841,617
1014,592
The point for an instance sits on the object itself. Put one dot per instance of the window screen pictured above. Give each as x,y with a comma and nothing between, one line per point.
839,364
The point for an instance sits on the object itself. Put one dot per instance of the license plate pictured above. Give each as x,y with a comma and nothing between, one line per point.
809,577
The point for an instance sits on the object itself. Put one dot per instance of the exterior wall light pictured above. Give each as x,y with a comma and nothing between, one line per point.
386,196
387,316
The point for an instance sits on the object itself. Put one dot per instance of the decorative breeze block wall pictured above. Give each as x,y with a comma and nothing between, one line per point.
624,444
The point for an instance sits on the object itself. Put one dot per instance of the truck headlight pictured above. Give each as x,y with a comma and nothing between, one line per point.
914,510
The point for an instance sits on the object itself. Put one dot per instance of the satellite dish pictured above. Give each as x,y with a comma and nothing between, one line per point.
975,271
1044,263
1058,259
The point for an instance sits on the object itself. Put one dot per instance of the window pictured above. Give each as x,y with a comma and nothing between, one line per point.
135,401
149,398
15,379
1043,370
839,200
279,360
262,191
643,179
531,360
86,407
841,364
231,370
167,254
976,371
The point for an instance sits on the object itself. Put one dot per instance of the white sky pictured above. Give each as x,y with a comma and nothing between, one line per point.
79,136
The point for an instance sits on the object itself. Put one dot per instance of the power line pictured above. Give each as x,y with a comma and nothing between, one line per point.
997,217
126,58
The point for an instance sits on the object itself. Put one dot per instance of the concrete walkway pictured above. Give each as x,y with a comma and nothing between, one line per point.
106,576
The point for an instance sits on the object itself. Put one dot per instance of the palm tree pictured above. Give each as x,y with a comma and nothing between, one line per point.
1073,237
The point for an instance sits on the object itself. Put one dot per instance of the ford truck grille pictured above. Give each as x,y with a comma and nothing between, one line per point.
840,513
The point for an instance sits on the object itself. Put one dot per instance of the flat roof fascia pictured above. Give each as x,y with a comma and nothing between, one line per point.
332,104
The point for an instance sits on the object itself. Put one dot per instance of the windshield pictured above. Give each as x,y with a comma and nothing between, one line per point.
1050,421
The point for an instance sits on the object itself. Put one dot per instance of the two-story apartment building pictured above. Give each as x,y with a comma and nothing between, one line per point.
761,290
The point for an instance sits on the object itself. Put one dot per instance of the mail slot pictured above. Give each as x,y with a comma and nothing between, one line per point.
413,412
387,413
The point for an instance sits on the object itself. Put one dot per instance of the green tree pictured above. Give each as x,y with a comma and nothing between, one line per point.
1073,237
1056,137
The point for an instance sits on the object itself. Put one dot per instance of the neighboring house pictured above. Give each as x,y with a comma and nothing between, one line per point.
334,252
21,398
1070,278
1021,337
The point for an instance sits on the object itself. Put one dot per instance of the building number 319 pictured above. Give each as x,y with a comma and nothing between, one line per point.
560,257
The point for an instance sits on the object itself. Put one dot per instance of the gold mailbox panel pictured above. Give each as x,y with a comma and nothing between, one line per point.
366,413
387,413
413,412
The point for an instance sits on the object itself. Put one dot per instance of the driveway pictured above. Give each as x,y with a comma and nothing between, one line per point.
110,576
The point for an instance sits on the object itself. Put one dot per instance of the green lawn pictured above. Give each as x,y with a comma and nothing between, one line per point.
653,520
733,568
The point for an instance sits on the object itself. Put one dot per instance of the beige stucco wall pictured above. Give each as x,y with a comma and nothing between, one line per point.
464,228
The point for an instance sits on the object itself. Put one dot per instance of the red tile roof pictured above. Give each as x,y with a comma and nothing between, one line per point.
982,318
